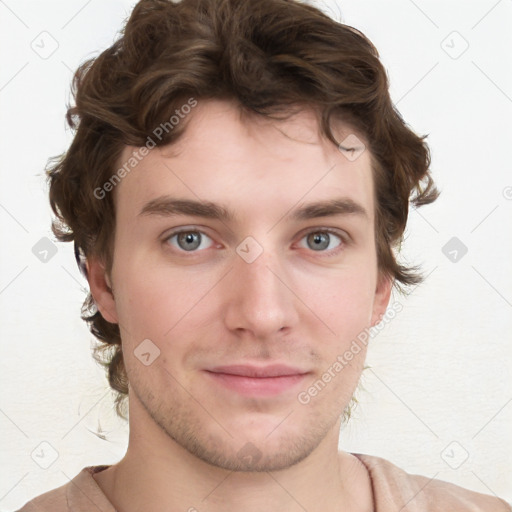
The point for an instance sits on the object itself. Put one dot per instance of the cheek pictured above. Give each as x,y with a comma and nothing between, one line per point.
341,300
154,301
345,306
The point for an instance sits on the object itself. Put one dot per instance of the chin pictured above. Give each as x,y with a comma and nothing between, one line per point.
254,456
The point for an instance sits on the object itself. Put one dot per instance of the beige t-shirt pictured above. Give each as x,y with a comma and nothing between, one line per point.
393,490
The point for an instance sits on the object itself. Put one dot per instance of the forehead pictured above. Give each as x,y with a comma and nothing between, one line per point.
250,161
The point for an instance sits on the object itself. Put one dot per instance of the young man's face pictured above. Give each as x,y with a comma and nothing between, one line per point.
275,284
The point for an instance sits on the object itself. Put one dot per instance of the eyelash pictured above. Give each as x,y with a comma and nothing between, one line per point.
333,252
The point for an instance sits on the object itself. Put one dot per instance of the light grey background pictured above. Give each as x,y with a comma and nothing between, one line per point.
437,400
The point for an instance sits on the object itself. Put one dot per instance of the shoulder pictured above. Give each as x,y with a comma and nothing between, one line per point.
54,500
80,494
394,486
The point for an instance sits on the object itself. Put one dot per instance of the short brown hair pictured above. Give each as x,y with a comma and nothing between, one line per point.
270,56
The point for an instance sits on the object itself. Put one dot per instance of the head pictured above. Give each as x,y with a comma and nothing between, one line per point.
276,122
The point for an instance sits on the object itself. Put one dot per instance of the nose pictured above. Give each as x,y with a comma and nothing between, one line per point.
260,300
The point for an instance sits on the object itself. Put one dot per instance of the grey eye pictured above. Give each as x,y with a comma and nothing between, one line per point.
189,240
318,241
321,241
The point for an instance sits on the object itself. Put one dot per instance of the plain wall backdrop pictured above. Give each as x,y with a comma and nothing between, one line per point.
437,398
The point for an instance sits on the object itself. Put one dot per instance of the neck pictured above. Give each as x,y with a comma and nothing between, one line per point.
158,474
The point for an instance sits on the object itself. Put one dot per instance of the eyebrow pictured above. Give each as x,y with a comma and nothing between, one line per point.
168,206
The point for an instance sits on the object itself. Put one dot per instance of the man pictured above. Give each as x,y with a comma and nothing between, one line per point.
235,188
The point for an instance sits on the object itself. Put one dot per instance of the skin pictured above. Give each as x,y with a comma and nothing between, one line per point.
292,305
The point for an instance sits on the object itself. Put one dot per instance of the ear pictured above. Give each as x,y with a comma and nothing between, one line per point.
101,289
381,299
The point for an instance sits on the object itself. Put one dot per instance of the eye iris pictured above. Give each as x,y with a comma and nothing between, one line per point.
189,241
318,241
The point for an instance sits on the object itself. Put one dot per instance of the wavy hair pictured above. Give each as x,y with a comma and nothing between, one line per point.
270,56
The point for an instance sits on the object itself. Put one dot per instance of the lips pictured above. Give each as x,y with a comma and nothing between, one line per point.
276,370
260,381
